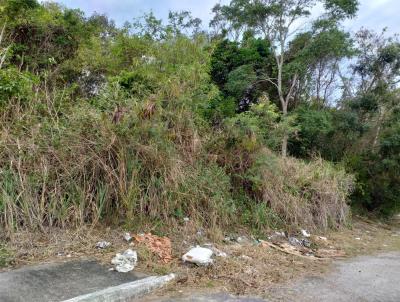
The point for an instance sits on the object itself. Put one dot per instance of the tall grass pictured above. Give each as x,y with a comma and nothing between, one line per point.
312,194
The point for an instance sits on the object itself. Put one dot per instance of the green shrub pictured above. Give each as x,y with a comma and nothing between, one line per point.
15,85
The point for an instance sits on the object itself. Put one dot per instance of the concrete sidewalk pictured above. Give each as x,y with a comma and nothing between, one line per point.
59,282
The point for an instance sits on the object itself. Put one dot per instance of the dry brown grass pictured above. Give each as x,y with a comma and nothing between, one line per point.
309,195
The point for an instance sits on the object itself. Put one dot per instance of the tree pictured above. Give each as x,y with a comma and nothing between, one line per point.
375,75
179,24
317,56
371,93
238,67
182,23
276,21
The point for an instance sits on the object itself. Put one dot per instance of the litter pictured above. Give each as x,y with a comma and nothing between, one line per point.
199,255
127,237
186,219
242,240
358,238
161,246
219,253
125,262
216,251
322,238
245,257
103,245
305,233
277,236
227,239
306,243
294,241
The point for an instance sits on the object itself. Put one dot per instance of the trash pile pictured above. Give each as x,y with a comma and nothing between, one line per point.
302,247
161,246
126,262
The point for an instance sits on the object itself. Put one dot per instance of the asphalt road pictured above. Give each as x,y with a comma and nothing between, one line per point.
362,279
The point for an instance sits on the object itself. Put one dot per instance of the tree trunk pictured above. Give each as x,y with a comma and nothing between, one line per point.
285,134
284,145
379,126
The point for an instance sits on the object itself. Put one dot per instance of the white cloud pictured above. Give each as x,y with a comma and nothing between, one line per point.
376,15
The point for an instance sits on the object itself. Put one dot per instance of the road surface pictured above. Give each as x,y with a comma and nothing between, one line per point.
362,279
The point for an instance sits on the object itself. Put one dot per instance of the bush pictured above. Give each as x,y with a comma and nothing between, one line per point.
377,172
272,191
15,85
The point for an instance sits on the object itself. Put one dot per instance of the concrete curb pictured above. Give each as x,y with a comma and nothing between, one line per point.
125,292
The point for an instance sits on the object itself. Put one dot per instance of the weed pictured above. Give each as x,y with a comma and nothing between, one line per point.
6,257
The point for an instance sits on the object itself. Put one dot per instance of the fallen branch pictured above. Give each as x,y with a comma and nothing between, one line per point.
291,252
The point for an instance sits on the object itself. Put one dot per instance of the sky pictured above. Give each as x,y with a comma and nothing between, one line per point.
373,14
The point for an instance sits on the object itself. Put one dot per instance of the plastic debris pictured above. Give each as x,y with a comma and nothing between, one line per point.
161,246
103,245
305,234
306,243
245,257
322,238
186,219
229,239
277,236
242,240
199,255
125,262
216,251
358,238
127,237
219,253
294,241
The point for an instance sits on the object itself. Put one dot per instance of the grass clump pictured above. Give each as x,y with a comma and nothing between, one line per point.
5,256
307,194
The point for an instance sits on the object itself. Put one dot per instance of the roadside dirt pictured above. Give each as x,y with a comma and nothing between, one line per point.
248,269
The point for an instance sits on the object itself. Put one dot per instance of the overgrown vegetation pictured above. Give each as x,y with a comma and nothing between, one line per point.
155,122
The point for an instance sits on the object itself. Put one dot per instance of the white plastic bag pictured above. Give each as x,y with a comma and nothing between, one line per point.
199,256
103,245
125,262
